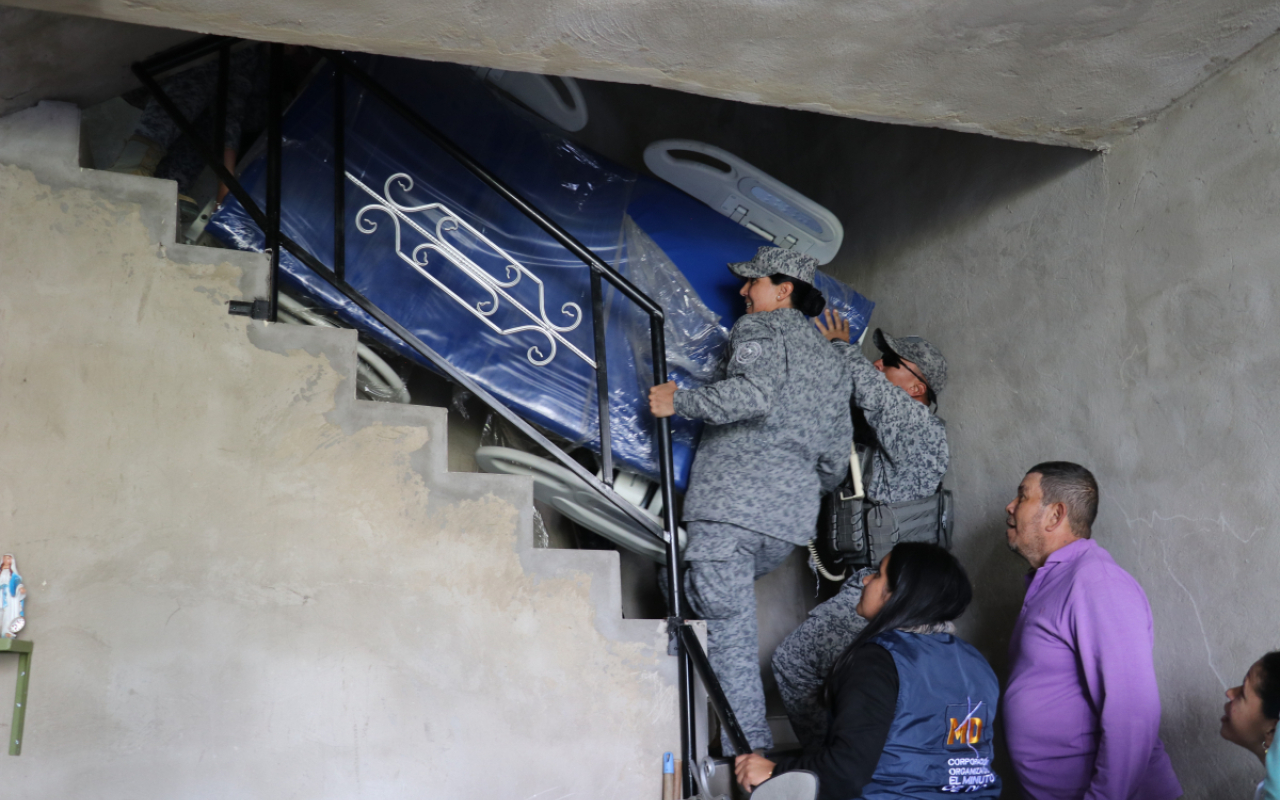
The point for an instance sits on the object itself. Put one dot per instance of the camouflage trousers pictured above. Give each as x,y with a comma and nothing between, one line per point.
724,562
804,659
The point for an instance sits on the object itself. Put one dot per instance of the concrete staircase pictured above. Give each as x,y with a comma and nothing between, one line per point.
243,581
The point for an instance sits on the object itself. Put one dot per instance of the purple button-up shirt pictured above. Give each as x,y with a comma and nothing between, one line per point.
1082,711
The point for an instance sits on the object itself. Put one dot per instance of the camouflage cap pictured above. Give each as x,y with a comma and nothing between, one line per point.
933,367
770,260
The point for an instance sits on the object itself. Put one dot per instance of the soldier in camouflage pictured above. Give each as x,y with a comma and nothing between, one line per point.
777,438
896,394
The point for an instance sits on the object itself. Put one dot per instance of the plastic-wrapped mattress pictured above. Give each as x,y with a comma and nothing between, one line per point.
477,281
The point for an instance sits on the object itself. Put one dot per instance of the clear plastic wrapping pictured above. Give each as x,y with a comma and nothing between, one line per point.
477,281
695,335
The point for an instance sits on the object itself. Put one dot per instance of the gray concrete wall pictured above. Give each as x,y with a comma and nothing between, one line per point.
245,583
1121,314
1118,310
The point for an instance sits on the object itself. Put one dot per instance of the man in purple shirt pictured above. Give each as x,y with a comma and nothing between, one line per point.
1081,711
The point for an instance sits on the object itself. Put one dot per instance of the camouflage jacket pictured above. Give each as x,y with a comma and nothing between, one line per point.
911,454
778,432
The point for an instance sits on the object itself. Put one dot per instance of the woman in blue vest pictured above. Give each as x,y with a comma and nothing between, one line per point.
911,704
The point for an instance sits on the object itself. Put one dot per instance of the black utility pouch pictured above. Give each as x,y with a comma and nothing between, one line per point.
855,532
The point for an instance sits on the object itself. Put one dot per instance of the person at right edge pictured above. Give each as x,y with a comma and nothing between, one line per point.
896,395
1081,708
1250,716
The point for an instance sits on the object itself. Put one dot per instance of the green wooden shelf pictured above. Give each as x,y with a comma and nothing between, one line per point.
23,649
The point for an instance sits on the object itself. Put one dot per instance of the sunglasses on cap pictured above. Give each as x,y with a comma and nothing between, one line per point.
891,359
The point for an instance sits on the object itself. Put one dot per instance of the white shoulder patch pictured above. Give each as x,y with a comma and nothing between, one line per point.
747,352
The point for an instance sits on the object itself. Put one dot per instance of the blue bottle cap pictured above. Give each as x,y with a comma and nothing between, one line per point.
668,764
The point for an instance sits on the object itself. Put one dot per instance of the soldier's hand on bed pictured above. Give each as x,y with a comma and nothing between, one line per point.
662,399
836,327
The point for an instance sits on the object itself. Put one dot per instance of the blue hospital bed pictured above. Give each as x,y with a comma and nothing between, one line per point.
477,281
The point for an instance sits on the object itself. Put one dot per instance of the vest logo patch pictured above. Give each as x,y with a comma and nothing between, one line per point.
966,730
969,771
966,725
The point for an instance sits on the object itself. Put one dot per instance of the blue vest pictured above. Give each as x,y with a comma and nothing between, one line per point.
940,741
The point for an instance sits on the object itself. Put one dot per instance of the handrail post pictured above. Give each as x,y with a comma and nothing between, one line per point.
675,573
666,468
275,109
686,697
688,718
220,102
602,378
339,176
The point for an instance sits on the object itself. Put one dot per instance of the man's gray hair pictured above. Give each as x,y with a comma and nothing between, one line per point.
1074,487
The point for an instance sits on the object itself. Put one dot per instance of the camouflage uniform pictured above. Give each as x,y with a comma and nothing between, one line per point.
778,439
908,463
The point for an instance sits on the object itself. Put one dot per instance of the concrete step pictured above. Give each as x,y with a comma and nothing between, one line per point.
309,603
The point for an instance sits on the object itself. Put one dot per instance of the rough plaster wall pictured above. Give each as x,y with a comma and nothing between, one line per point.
1118,310
245,583
1123,316
47,56
1078,72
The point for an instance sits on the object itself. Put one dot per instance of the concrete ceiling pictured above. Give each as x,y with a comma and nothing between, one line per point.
1075,72
77,59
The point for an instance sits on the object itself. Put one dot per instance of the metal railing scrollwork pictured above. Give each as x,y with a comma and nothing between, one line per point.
437,241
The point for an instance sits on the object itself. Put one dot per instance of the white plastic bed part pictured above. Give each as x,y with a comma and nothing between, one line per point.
571,496
371,369
540,95
747,195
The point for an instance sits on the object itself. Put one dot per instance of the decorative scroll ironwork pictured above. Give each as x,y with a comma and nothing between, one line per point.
443,223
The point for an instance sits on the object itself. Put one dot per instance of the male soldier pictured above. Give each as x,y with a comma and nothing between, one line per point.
910,456
1081,709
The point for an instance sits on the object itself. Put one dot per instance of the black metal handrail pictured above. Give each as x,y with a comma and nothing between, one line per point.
684,645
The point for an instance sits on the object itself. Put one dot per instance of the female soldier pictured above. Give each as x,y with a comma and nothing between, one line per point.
912,705
777,437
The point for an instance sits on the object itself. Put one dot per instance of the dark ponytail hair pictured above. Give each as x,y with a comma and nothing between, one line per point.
1269,684
927,585
803,296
